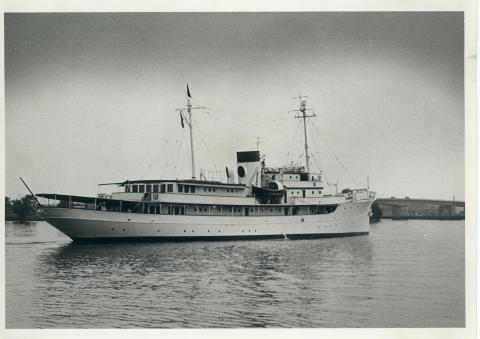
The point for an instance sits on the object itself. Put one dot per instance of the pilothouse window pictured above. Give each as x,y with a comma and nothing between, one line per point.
135,188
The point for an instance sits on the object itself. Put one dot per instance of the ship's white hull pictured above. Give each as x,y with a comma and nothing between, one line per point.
80,224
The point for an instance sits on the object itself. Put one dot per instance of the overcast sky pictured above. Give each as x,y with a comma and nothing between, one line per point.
91,98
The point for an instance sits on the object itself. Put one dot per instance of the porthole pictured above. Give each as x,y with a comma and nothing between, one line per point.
124,230
184,231
241,171
113,229
158,230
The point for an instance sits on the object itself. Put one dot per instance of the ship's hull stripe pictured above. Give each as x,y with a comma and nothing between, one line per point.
218,238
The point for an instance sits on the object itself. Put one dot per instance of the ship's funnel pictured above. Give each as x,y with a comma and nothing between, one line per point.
248,166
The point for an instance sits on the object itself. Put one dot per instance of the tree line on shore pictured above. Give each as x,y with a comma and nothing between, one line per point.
20,208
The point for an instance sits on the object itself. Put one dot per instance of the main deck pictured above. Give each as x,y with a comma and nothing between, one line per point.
149,206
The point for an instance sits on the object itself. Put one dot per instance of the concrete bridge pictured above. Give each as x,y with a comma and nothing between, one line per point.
406,208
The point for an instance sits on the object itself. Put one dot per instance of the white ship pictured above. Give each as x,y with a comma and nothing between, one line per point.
288,202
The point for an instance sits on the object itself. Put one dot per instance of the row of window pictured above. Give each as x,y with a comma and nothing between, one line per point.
163,188
155,188
229,210
186,188
292,192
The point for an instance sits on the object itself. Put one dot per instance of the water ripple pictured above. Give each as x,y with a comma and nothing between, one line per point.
395,277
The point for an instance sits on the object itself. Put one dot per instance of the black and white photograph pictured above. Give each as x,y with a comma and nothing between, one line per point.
237,169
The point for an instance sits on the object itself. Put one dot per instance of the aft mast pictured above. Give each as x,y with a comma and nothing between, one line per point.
189,122
303,110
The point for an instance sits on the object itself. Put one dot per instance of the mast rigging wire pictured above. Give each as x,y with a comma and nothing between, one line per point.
205,144
169,157
292,144
334,154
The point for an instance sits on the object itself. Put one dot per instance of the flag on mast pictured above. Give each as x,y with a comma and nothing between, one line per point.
181,120
188,92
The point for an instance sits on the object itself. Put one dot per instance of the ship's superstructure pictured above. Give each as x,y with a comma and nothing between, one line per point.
256,201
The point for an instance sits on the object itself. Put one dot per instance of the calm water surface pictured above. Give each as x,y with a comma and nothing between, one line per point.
403,274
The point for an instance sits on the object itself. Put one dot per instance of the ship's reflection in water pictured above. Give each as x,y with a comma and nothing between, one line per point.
364,281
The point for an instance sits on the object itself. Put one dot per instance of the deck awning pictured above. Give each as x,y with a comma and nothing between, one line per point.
75,198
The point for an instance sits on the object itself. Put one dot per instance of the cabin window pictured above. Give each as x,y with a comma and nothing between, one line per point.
180,188
313,192
134,188
152,209
127,188
162,188
149,188
141,188
157,209
273,177
209,189
193,189
155,188
179,210
204,189
169,187
187,189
